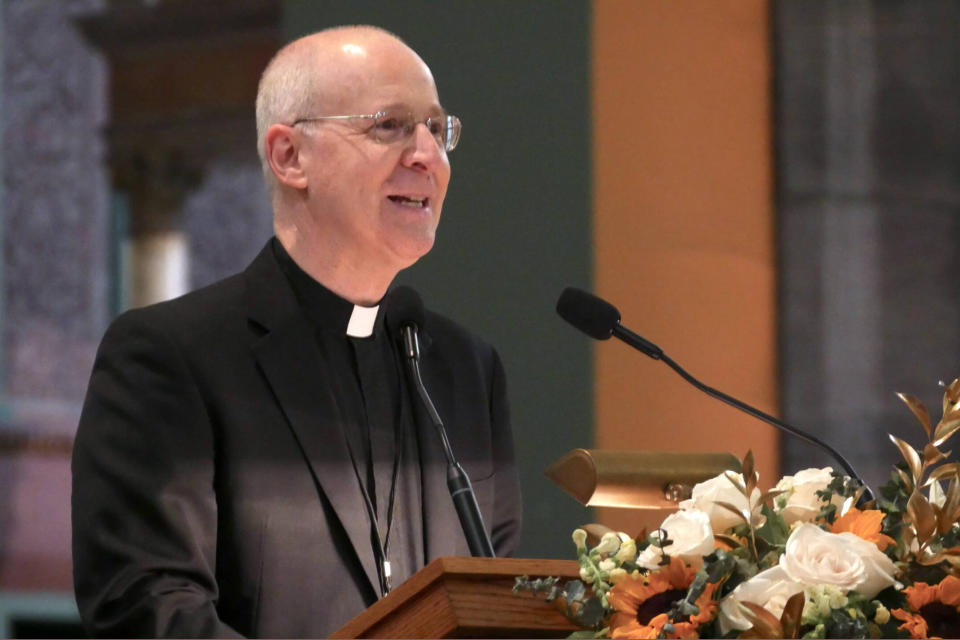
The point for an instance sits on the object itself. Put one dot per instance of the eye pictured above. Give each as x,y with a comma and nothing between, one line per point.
389,123
437,125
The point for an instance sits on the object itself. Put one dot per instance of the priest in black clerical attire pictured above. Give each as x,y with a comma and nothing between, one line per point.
250,460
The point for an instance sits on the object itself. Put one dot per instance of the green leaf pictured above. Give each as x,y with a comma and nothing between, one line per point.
574,591
718,565
592,613
775,530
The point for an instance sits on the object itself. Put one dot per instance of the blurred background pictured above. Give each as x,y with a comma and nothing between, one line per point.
768,189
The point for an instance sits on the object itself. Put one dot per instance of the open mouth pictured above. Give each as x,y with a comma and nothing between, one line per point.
409,201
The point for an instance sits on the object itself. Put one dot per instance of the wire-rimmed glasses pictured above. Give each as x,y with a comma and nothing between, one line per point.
391,126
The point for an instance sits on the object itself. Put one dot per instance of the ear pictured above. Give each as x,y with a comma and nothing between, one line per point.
282,148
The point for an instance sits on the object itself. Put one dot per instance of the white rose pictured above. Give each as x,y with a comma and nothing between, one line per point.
803,503
690,538
706,494
770,589
814,556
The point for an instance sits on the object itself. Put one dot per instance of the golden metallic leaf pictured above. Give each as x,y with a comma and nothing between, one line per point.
932,455
768,496
931,560
911,456
951,396
792,612
951,503
734,542
918,409
907,480
749,473
922,517
765,624
941,472
947,426
740,513
908,537
737,481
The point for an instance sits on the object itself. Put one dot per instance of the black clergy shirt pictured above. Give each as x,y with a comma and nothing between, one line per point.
375,414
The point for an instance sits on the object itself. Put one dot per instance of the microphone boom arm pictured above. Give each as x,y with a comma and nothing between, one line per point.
652,350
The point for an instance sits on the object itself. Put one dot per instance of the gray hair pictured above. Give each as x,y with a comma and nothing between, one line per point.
286,92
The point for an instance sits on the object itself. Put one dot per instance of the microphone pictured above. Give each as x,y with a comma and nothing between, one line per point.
600,320
404,317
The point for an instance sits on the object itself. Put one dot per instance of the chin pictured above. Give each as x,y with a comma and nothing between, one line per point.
413,249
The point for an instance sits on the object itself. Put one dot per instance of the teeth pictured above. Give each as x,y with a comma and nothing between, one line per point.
409,202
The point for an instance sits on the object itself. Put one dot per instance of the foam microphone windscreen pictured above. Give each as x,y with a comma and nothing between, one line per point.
403,306
594,316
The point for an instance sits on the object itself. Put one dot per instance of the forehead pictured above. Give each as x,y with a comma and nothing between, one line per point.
372,75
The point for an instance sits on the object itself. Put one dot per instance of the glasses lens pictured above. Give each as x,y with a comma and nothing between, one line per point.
394,126
391,126
453,133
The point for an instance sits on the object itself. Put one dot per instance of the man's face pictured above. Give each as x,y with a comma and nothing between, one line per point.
375,201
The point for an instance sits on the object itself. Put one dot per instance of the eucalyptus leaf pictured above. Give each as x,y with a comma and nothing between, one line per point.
718,565
574,591
591,614
775,530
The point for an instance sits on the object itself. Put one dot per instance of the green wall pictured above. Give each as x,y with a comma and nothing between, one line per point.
516,221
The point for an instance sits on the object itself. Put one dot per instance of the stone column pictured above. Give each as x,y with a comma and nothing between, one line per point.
156,253
183,78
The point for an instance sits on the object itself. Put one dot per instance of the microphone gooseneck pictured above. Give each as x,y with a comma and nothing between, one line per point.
404,318
599,319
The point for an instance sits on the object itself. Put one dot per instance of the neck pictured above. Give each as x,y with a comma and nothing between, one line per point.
356,281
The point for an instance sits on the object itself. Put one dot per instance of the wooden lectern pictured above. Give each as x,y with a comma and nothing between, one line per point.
467,598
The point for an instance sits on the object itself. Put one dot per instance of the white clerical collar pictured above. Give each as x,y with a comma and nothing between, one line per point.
361,321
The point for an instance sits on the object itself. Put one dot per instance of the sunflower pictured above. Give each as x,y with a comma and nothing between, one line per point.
865,524
935,610
641,603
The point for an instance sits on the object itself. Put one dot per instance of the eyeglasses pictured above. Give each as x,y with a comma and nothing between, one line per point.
393,126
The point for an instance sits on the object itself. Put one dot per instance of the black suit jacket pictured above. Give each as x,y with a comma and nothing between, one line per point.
213,493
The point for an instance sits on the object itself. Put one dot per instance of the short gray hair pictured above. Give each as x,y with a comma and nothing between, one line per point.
286,92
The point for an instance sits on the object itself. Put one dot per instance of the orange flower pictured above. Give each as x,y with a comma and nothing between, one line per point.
641,603
934,610
866,525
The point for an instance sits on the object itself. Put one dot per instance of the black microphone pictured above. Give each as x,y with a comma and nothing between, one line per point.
599,319
404,316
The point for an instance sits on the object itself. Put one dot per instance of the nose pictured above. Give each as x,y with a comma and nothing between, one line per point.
423,152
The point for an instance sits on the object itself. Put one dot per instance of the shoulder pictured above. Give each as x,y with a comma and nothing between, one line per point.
194,318
451,341
449,333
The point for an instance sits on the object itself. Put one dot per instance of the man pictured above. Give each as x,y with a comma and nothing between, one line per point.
249,460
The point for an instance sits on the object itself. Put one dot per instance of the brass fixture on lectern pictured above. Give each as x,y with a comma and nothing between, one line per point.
636,479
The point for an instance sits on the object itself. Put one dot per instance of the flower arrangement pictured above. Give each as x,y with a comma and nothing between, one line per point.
807,558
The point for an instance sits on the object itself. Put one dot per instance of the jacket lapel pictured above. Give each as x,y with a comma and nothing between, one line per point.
294,366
